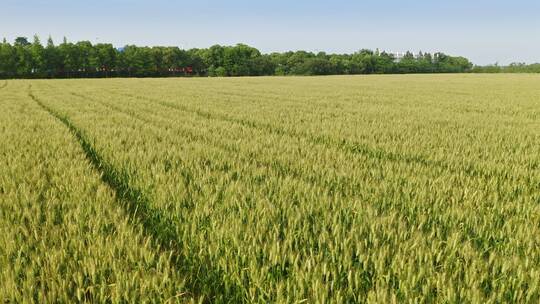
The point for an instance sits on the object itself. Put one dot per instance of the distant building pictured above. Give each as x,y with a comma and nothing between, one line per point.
398,55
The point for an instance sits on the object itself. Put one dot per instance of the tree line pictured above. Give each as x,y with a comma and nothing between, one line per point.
512,68
25,59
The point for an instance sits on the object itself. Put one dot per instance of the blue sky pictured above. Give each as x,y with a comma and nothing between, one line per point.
484,31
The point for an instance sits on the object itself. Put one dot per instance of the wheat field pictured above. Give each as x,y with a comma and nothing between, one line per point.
342,189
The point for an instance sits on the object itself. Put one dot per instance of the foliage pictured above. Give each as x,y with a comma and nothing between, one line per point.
82,59
512,68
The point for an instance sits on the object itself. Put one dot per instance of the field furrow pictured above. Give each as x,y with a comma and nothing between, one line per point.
64,236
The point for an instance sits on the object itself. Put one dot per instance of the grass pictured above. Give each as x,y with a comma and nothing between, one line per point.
411,188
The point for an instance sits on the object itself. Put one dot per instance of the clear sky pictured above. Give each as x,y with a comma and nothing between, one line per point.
484,31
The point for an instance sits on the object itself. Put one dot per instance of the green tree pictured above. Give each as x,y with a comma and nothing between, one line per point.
86,58
21,41
23,57
104,59
8,63
71,58
51,59
37,52
408,64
